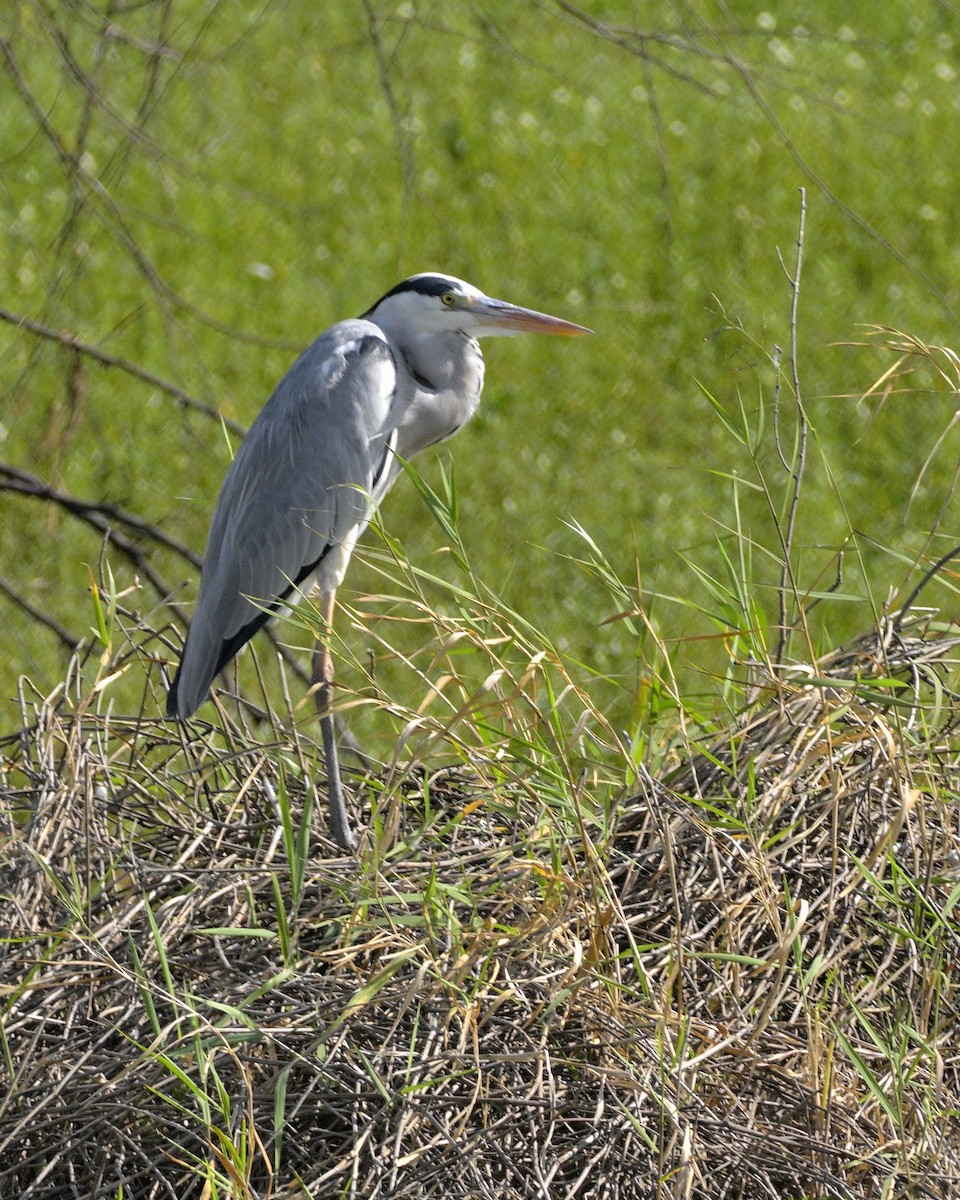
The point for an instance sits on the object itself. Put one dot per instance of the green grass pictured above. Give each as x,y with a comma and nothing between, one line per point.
659,793
724,947
274,169
720,938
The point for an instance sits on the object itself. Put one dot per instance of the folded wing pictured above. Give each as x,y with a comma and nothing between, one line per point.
295,499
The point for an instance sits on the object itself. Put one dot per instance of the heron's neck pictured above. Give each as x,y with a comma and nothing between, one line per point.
447,371
444,361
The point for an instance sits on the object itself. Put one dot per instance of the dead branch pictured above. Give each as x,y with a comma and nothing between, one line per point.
65,636
104,517
797,469
72,342
101,514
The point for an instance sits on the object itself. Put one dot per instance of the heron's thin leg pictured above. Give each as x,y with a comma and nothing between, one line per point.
323,697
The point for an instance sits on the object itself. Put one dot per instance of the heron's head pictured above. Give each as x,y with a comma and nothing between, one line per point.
429,303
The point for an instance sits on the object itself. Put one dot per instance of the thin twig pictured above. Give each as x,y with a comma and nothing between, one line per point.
747,75
786,567
36,614
405,148
104,518
99,513
927,576
72,342
777,390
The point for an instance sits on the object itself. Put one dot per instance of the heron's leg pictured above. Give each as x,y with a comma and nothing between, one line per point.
323,697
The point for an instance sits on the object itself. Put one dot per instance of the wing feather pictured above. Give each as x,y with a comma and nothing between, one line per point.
295,499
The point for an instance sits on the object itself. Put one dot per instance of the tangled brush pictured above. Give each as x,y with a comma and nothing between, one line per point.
744,985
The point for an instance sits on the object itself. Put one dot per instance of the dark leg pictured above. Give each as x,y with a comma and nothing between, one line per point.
323,697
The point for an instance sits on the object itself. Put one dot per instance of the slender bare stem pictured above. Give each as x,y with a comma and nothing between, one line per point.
787,579
72,342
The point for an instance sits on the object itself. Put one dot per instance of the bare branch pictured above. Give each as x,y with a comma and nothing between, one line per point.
109,211
929,574
405,150
786,567
104,517
72,342
99,517
821,184
100,514
36,614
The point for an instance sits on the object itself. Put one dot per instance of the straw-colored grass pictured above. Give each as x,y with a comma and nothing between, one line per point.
737,981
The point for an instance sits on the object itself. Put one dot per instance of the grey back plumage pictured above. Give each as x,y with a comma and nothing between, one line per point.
297,494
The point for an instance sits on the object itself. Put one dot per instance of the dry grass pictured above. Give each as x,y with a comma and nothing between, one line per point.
744,986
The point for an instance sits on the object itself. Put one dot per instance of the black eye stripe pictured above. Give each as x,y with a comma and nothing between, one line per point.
423,285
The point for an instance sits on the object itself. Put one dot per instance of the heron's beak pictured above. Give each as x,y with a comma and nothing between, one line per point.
496,316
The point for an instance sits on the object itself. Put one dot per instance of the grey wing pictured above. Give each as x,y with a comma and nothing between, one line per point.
295,499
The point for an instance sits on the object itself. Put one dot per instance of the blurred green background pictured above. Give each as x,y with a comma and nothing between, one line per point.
199,188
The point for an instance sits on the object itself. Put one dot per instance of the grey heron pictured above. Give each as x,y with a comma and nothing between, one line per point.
320,456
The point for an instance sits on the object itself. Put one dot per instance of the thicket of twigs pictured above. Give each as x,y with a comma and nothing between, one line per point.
743,984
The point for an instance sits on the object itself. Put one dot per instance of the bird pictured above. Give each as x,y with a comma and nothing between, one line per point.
322,453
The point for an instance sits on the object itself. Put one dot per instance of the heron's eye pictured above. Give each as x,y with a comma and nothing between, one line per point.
447,299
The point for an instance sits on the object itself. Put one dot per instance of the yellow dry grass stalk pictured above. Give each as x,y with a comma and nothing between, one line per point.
742,985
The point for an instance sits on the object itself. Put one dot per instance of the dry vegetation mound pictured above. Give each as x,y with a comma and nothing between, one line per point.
746,987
